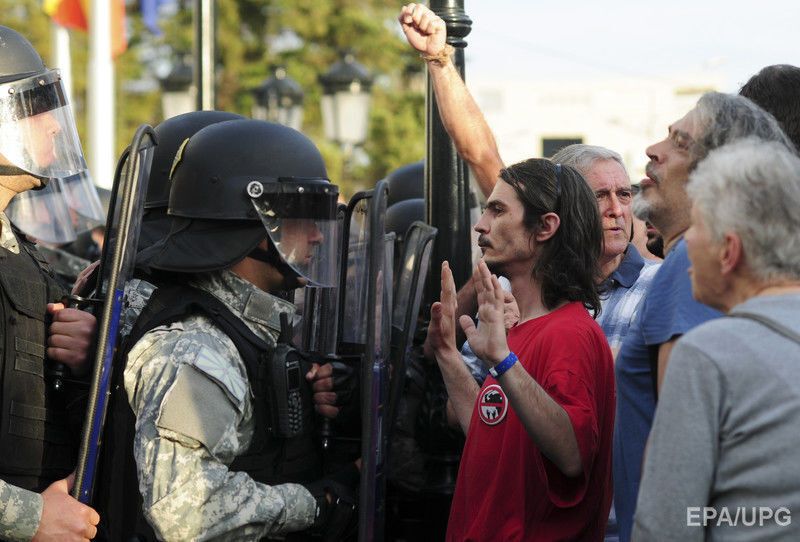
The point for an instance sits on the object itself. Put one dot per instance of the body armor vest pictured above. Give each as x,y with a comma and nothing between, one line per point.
269,459
37,445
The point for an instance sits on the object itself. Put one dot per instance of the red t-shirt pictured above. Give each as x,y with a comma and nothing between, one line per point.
506,488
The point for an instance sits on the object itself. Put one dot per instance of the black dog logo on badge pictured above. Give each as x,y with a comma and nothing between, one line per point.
493,405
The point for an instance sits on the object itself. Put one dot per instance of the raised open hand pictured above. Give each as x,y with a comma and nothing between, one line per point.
488,339
442,329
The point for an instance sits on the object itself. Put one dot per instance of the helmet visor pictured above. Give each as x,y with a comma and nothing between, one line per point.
43,214
300,219
37,129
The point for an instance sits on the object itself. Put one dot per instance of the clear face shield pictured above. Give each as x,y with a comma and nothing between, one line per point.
43,215
300,218
41,159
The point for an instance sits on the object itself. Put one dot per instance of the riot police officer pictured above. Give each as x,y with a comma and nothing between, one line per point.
224,420
39,148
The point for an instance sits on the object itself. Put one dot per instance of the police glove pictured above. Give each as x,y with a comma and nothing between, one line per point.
336,503
345,383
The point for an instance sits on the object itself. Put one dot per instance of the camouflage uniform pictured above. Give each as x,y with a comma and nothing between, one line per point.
20,509
137,294
20,512
188,387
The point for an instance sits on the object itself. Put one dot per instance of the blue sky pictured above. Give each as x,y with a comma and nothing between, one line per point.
555,39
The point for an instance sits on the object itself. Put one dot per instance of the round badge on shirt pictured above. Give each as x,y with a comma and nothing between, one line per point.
493,405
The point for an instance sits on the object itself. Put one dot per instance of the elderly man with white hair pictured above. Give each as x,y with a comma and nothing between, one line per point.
723,460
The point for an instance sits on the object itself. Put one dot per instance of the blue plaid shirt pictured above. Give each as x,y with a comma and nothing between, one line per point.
627,286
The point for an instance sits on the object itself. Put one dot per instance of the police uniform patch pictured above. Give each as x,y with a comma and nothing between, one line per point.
493,405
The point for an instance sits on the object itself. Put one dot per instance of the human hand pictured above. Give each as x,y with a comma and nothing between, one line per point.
321,379
336,497
83,278
425,31
442,328
64,518
488,339
70,336
510,310
334,385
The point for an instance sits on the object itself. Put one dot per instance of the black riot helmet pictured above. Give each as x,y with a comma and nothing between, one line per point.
239,182
170,134
406,182
39,143
400,215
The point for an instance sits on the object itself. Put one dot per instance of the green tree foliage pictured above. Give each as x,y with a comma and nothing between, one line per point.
246,48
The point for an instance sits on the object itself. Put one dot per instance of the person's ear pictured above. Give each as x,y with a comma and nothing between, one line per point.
548,226
731,255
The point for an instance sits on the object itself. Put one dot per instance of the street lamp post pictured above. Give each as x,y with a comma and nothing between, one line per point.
177,91
345,102
279,99
446,186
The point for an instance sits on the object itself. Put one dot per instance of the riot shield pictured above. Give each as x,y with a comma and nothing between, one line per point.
116,267
411,273
364,330
317,332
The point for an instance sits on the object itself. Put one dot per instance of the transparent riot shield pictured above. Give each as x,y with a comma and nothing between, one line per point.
364,330
374,377
116,267
352,319
409,285
317,330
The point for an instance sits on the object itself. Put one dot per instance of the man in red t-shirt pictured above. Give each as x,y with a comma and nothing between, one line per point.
537,461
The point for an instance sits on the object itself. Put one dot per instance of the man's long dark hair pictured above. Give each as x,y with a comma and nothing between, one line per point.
566,266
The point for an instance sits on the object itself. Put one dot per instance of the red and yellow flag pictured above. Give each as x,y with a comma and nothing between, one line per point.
75,14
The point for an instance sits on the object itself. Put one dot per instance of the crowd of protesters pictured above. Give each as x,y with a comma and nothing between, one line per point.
702,440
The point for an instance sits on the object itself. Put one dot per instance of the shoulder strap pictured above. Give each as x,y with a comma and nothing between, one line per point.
770,323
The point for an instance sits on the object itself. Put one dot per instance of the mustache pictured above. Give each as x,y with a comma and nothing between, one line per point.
483,242
649,170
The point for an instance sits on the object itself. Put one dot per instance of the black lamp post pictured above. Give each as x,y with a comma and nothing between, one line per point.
345,102
446,185
177,91
279,99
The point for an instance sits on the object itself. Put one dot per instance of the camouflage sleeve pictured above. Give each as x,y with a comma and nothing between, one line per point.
20,512
191,401
137,294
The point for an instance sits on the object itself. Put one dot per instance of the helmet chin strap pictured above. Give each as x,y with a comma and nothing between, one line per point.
291,279
7,170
